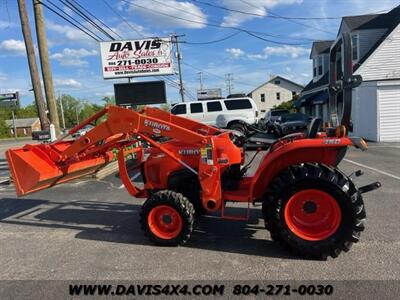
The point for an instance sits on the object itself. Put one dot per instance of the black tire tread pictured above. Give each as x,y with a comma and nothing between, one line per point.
272,206
177,201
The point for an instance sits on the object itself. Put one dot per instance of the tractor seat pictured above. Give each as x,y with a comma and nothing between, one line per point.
313,128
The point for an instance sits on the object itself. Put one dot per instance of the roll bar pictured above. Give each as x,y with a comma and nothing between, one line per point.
341,79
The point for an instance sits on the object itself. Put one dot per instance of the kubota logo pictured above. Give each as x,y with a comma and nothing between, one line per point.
189,152
157,125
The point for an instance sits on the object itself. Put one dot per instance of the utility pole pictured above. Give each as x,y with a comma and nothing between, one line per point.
30,52
62,109
45,64
229,82
77,115
179,57
14,126
201,80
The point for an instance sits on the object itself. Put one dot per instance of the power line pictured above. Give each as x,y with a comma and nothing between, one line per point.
85,30
237,28
214,41
123,19
272,15
82,12
85,17
100,21
216,25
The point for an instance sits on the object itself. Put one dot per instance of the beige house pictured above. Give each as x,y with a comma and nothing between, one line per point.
24,126
273,92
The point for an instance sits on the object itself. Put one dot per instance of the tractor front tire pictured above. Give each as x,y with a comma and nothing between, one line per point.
167,218
314,210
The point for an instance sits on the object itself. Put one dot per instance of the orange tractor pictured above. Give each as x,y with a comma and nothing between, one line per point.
308,204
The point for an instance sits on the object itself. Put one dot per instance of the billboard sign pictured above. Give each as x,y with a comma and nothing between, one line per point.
209,94
136,58
139,93
10,100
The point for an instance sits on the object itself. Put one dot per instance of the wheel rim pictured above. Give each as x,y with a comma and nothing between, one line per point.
312,215
165,222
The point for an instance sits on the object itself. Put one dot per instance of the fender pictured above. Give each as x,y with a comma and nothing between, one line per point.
329,151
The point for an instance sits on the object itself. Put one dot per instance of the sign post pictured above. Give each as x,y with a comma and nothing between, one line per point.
10,100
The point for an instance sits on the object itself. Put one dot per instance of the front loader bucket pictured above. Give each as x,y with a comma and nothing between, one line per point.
35,167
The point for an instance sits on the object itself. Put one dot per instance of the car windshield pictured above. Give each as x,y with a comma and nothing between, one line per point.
277,113
293,117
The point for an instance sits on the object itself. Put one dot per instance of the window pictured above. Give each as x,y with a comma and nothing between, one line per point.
263,110
315,67
262,97
238,104
278,96
321,111
320,65
354,46
277,82
179,109
196,108
214,106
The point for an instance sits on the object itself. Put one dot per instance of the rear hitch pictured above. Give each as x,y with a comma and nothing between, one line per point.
370,187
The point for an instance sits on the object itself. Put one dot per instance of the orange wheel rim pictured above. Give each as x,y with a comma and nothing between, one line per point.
165,222
312,215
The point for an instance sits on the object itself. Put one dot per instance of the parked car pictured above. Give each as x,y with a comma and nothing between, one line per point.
290,123
270,117
82,131
232,113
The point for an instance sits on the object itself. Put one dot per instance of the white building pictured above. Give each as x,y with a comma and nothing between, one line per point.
273,92
376,57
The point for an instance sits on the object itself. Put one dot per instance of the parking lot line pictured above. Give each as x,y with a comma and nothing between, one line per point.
132,179
372,169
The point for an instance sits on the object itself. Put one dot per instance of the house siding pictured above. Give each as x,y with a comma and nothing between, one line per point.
270,89
384,63
368,38
364,111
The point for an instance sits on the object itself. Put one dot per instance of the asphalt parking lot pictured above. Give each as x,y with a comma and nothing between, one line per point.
89,230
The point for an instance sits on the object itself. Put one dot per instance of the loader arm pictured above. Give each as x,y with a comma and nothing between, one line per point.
37,167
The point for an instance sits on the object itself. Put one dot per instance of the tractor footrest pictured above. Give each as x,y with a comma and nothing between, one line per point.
235,217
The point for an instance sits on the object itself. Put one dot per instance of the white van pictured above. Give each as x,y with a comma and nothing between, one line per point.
223,113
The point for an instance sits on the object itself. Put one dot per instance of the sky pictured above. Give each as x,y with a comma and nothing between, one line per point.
217,40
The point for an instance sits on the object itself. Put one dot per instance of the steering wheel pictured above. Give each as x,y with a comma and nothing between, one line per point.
313,128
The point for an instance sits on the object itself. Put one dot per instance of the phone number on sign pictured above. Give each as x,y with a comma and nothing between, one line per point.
280,289
130,62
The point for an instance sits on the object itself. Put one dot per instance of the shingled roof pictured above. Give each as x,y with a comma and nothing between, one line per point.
365,21
20,123
321,46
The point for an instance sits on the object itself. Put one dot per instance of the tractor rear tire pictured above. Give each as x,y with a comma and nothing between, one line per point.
167,218
314,210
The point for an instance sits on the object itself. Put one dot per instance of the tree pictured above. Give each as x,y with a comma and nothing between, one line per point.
165,106
4,130
76,110
109,100
289,105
